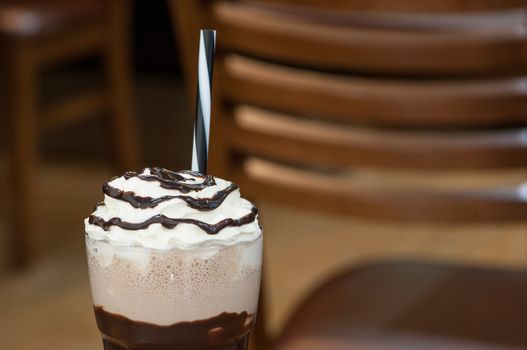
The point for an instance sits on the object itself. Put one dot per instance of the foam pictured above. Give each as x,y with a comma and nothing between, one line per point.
164,287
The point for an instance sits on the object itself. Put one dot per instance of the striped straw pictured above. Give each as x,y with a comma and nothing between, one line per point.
207,45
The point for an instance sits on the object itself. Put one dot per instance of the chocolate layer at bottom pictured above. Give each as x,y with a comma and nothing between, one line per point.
226,331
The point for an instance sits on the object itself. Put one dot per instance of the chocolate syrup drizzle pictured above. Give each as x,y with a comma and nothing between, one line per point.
149,202
170,223
226,331
172,180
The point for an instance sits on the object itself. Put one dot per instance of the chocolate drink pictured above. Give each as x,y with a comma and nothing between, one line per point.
174,262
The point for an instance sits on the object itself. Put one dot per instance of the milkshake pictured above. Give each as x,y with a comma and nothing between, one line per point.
174,261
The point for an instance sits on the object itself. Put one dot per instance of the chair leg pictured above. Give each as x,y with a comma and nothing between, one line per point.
21,87
118,71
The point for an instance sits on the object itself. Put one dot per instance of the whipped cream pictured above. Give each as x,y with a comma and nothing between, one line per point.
161,209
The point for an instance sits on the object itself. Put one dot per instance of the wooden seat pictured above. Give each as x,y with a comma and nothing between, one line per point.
412,305
308,94
35,35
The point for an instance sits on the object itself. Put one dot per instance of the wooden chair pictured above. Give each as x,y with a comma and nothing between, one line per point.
35,35
302,96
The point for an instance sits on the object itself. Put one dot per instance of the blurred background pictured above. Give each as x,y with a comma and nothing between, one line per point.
383,141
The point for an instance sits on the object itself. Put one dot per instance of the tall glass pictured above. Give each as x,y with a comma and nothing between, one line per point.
200,298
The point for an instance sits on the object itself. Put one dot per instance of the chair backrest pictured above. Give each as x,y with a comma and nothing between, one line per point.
305,99
405,6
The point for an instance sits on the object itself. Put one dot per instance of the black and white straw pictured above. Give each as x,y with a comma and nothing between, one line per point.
207,46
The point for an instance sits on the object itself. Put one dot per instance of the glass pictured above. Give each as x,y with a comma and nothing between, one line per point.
149,299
